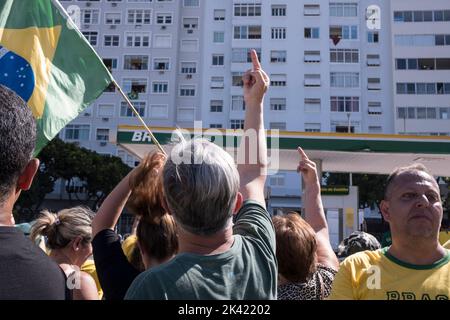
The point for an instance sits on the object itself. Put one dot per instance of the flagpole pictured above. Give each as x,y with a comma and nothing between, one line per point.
155,141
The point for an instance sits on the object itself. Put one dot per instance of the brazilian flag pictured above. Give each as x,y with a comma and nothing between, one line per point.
46,60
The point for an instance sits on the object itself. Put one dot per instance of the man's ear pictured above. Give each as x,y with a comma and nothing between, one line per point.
384,207
26,177
239,201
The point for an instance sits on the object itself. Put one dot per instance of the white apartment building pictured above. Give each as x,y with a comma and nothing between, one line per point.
182,60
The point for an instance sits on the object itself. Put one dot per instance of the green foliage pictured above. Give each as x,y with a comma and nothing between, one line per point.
99,174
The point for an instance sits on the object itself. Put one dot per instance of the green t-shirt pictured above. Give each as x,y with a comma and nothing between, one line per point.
248,270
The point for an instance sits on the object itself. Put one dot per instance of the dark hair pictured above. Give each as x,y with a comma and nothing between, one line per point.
296,247
17,139
418,167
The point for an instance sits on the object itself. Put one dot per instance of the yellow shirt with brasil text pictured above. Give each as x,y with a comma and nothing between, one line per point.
377,275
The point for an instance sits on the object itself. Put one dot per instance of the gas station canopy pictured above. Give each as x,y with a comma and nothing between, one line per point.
338,152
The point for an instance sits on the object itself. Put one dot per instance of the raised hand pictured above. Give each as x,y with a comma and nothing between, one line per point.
255,81
307,168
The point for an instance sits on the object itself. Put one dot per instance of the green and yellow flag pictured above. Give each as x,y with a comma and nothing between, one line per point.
46,60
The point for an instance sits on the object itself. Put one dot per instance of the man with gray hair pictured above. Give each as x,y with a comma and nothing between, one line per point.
415,266
218,260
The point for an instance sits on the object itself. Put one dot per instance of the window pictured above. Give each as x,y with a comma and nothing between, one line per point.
372,37
217,59
219,15
312,80
344,104
311,33
278,80
277,180
216,105
236,124
90,16
215,126
139,16
105,110
344,79
112,18
247,9
135,63
190,23
217,83
218,37
161,64
343,9
160,87
373,60
162,41
247,32
344,55
344,32
189,45
111,41
236,79
138,39
443,64
126,111
188,67
163,18
277,125
311,10
237,103
191,3
373,84
278,33
312,127
102,134
159,111
91,37
78,132
312,105
426,64
375,129
134,87
279,10
374,108
312,56
444,113
242,55
278,56
277,104
187,90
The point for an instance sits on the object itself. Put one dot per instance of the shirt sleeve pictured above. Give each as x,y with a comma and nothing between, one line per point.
114,271
342,288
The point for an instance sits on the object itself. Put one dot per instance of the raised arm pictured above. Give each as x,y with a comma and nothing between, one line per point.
252,153
314,213
109,212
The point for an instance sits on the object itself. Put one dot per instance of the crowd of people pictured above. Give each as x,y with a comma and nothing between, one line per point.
203,231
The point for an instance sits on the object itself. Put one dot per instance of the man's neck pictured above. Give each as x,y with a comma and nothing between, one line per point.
417,251
6,215
205,245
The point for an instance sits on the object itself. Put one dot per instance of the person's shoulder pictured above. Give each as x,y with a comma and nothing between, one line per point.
367,257
252,206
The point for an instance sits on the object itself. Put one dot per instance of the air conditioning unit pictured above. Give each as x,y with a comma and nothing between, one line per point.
105,119
103,144
190,31
85,26
113,4
163,27
88,4
161,71
137,26
87,114
112,26
189,76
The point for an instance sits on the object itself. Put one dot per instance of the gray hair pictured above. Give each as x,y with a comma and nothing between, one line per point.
201,183
61,228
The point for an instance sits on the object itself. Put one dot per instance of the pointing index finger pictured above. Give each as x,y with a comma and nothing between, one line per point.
302,154
255,60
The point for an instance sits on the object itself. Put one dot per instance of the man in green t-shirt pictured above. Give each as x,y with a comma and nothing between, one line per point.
203,191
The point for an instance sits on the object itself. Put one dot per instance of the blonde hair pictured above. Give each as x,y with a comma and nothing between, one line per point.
61,228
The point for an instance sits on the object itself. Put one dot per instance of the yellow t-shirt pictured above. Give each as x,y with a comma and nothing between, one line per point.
89,267
128,246
446,245
444,236
377,275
